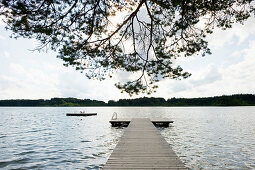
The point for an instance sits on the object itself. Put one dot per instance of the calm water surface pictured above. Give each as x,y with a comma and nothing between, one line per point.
203,137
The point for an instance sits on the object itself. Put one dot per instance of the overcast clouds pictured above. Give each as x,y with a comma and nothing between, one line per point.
32,75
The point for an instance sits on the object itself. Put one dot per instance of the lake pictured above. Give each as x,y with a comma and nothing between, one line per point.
45,138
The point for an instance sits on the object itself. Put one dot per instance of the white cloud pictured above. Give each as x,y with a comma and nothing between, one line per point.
6,54
2,37
209,76
241,76
24,82
178,86
213,80
1,20
40,75
17,68
221,37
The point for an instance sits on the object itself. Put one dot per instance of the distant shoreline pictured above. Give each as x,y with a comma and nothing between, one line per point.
216,101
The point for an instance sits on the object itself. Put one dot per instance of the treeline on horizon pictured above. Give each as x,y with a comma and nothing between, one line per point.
231,100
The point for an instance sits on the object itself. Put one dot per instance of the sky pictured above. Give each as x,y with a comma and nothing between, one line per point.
230,69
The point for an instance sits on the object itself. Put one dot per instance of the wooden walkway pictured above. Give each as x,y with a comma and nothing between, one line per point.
143,147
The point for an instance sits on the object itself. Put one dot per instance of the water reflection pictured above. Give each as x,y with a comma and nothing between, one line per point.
204,138
213,138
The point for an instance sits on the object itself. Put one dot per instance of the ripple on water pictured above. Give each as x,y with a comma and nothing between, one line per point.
204,138
221,143
26,153
19,160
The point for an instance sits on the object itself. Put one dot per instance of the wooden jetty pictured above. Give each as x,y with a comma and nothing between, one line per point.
126,121
81,114
142,147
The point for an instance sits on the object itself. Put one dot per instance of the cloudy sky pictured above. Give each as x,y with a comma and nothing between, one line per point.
230,69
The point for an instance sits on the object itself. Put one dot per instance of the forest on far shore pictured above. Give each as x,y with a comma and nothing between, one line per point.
231,100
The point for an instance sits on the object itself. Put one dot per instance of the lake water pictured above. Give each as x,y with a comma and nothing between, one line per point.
203,137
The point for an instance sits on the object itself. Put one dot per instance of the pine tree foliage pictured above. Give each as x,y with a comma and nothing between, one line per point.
146,41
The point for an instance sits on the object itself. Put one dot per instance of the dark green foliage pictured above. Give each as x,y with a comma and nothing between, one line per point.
233,100
145,101
82,33
59,102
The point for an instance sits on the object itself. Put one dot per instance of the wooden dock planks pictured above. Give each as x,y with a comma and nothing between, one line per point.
143,147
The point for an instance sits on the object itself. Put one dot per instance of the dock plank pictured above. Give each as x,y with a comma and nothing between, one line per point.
143,147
